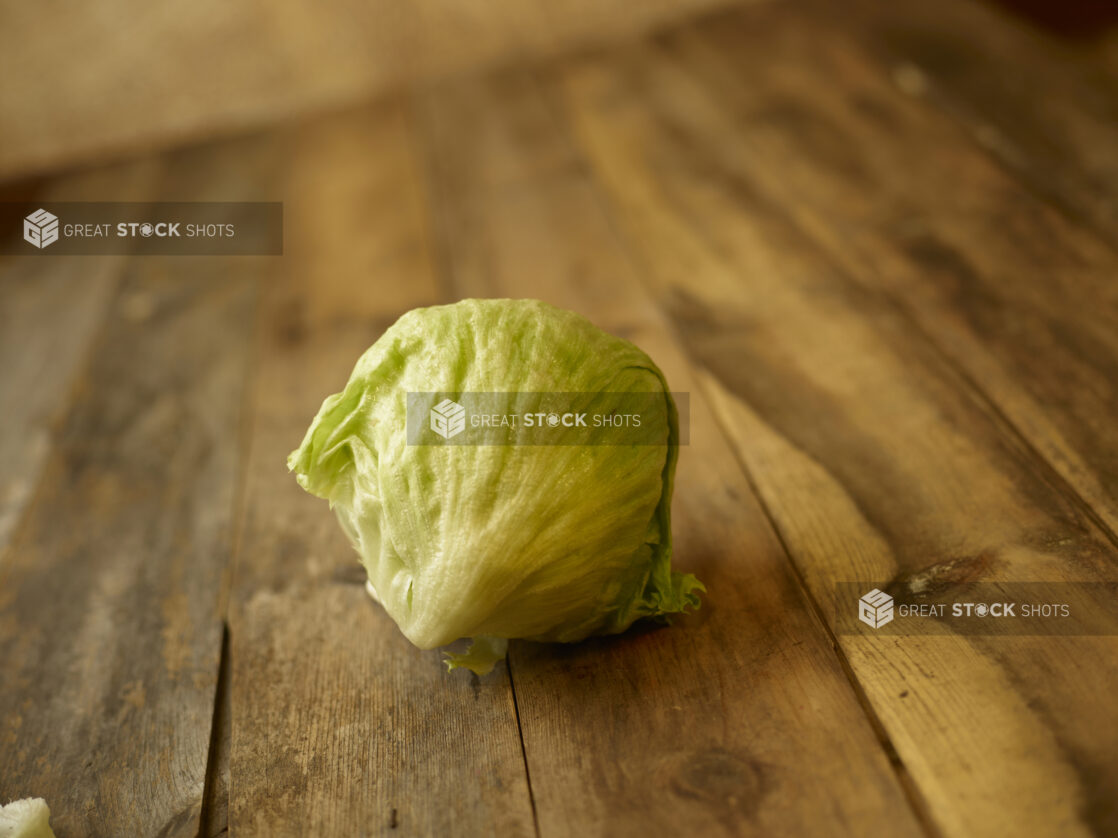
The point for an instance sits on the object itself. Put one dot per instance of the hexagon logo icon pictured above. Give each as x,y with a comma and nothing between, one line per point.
875,609
448,419
40,228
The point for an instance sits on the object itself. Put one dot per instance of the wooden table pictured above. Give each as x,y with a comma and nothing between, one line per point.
874,244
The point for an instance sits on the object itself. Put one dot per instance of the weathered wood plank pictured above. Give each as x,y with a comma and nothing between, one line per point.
901,199
111,591
1045,107
215,68
340,726
874,457
50,310
738,720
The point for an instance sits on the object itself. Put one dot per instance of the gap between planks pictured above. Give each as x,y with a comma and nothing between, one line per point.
486,282
523,749
861,30
214,816
969,384
1028,462
444,277
915,799
213,820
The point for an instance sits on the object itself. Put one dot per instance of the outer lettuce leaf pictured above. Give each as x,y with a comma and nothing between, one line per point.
551,543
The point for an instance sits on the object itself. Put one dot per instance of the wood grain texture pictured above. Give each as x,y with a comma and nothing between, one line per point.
1043,104
82,82
50,311
737,720
872,242
340,725
873,456
110,592
903,201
